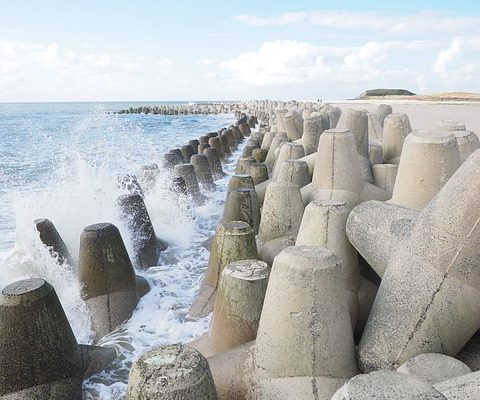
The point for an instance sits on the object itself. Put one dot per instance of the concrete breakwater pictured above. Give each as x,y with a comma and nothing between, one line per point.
356,236
297,313
199,108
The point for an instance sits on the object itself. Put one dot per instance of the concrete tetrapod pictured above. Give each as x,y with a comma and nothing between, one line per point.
244,130
281,218
107,276
429,158
430,292
461,388
337,174
434,368
313,127
171,372
382,111
324,224
389,386
315,353
279,138
202,170
357,123
241,181
375,153
396,128
187,152
237,309
233,241
215,144
295,172
39,356
258,172
384,176
146,246
376,229
467,140
260,155
243,165
187,172
288,151
225,146
242,205
214,163
50,237
375,130
293,122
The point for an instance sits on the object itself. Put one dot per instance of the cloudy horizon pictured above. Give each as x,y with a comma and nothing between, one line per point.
150,51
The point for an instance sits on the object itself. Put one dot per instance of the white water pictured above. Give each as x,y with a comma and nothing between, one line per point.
67,172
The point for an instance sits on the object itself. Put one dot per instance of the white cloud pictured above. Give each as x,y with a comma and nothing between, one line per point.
425,22
165,62
34,70
445,57
422,66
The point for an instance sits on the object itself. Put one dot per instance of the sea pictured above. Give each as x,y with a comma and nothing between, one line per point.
61,161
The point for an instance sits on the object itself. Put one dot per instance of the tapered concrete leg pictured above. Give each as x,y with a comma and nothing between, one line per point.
429,159
238,304
54,242
214,163
337,174
434,368
384,176
462,387
391,386
295,172
396,129
313,127
108,278
202,170
240,181
258,172
242,205
357,123
382,111
38,351
324,224
306,302
288,151
376,229
433,287
233,241
171,372
135,215
279,138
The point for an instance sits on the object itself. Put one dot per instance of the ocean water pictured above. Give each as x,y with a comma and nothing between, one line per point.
61,161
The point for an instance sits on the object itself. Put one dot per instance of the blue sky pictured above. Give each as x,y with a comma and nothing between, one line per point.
186,50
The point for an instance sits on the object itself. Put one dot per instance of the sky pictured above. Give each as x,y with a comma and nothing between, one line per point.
146,50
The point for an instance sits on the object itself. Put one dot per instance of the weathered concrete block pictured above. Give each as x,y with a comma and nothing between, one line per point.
430,292
382,111
171,372
233,241
107,276
460,388
38,351
389,385
50,237
146,246
434,368
396,128
429,159
202,171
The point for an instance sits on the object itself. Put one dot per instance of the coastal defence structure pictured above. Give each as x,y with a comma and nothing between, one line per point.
346,265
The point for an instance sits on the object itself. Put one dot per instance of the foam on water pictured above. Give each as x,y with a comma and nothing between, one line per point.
63,165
